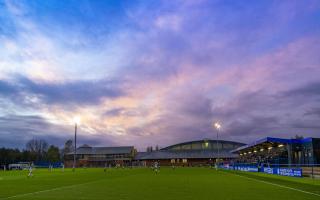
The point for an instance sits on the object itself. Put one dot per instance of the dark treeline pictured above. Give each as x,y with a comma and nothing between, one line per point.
35,150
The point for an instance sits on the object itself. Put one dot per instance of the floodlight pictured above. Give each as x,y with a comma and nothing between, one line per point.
76,120
217,125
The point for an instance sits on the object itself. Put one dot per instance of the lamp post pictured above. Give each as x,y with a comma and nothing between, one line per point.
76,121
217,126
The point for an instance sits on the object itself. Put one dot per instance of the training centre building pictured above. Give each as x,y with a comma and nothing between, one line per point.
193,153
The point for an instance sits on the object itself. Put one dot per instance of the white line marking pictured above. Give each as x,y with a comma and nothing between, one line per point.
282,186
49,190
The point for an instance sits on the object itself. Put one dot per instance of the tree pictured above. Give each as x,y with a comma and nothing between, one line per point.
27,156
8,156
149,149
299,137
68,147
37,148
53,154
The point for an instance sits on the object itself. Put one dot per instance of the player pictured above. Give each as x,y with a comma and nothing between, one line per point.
156,167
62,167
105,168
30,171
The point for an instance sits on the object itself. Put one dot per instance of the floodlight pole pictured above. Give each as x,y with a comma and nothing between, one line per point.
75,147
218,155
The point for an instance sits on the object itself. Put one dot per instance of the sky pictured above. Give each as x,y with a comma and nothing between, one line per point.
148,73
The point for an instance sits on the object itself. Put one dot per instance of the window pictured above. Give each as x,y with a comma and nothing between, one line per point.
196,146
205,145
186,147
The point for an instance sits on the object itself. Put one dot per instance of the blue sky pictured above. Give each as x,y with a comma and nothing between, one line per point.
158,72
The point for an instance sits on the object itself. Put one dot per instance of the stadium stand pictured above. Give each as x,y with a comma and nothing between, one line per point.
274,154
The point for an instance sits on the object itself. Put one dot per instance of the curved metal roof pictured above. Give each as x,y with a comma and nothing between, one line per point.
201,142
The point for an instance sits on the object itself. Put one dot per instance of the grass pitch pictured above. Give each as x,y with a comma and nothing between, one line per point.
181,183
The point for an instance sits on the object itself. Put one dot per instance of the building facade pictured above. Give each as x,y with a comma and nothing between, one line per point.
87,156
193,153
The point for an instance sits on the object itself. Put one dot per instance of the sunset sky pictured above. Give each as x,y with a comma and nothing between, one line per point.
158,72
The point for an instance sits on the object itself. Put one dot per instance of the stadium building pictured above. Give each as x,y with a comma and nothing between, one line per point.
87,156
193,153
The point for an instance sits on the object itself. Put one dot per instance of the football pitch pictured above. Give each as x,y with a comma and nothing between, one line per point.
143,183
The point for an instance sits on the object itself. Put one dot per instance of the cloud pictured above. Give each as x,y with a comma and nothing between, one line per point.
114,112
313,111
75,92
310,90
6,88
260,114
146,74
16,130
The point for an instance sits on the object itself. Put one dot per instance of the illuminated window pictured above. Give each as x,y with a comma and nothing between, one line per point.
184,160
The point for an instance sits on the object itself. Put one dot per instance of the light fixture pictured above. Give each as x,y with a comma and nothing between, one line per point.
206,144
76,120
217,125
269,148
261,149
280,145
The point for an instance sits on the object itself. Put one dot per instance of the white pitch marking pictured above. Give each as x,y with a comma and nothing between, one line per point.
49,190
282,186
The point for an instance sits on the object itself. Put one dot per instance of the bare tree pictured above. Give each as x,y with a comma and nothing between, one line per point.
149,149
68,147
299,137
38,148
